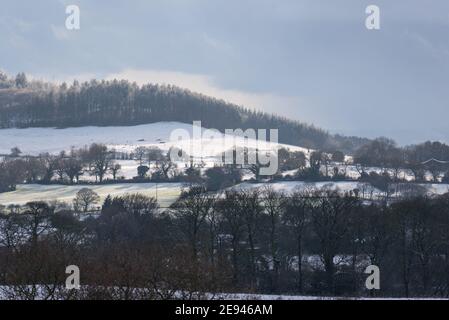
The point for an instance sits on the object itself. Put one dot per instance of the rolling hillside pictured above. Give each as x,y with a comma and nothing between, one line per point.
121,103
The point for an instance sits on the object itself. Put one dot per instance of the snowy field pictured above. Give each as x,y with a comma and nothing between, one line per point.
365,190
6,292
200,143
33,141
268,297
166,193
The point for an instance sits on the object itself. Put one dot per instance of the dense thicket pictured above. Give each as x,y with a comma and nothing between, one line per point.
106,103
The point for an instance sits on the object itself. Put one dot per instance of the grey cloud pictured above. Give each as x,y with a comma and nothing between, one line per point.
349,80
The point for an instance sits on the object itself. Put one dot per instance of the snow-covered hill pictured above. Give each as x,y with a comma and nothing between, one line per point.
33,141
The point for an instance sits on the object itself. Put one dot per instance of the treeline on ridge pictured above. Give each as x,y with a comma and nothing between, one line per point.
26,103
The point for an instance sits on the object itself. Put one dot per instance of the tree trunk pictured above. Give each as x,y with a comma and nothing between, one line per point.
329,268
300,280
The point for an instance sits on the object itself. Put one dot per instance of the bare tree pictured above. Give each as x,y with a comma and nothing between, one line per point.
140,153
251,209
60,166
15,152
296,216
166,167
36,222
233,224
330,215
114,169
12,172
35,169
274,204
50,163
154,154
84,199
100,160
191,210
73,168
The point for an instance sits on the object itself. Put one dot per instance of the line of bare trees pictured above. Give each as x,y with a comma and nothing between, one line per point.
95,160
314,242
430,158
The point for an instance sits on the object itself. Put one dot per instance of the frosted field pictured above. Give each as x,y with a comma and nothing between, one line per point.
6,291
166,193
291,186
33,141
365,189
267,297
352,172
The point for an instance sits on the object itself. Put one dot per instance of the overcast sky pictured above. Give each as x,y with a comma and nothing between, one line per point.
312,60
